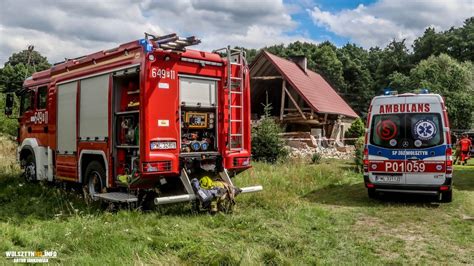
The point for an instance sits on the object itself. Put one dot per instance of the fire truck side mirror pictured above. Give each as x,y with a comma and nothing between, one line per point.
9,101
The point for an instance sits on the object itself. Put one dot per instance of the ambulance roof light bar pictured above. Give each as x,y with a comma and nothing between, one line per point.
389,91
168,42
424,91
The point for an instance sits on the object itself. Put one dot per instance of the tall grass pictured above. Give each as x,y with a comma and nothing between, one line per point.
307,214
8,164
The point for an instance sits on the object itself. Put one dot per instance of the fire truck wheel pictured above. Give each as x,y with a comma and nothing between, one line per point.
95,179
146,200
30,169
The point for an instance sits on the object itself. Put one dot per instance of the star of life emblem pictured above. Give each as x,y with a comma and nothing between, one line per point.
425,129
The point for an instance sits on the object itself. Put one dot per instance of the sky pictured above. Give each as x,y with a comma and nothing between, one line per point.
71,28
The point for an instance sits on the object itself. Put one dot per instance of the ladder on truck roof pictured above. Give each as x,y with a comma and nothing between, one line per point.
235,88
171,41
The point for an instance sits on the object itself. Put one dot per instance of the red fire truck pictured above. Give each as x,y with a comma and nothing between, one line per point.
148,115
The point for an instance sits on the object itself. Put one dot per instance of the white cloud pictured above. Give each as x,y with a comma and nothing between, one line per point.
60,29
377,24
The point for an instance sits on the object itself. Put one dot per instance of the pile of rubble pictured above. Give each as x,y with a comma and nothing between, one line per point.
302,145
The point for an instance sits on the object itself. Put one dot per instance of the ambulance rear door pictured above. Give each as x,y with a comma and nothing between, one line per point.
426,144
387,141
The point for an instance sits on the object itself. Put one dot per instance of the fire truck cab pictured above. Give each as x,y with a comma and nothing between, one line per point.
146,115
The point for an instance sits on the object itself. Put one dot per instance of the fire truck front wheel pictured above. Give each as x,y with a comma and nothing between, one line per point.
30,168
95,179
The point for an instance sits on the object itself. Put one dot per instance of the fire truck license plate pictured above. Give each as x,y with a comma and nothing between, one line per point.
405,166
388,178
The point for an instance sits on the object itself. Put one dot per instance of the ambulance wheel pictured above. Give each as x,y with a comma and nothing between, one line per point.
371,192
30,169
447,196
95,180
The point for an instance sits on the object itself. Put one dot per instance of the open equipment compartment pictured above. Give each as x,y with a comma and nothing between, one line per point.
198,114
126,122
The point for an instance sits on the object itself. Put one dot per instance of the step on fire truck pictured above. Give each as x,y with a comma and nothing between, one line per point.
148,115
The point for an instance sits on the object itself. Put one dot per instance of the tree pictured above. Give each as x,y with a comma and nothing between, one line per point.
267,144
394,57
250,54
456,42
19,66
356,74
29,58
12,77
454,80
356,130
278,50
459,42
426,45
400,82
328,65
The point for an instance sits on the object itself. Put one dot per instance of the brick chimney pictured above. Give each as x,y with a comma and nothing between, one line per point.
301,61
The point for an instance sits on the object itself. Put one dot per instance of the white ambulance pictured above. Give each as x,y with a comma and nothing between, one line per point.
408,146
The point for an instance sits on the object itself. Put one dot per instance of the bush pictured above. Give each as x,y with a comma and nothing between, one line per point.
7,125
359,153
356,130
267,145
316,158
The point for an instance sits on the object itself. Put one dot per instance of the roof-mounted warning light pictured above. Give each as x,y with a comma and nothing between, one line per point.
167,42
424,91
389,91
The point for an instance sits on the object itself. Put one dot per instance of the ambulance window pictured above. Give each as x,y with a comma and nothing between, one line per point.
425,130
27,102
387,130
407,131
42,97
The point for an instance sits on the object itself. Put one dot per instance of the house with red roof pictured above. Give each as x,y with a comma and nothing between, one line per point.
300,98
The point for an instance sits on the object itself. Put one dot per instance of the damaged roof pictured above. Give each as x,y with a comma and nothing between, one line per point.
310,85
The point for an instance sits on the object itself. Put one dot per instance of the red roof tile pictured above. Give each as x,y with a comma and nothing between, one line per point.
312,87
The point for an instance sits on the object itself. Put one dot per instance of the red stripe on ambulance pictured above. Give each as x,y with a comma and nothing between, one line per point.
403,166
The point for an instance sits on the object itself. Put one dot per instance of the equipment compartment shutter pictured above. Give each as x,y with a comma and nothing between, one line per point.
94,111
197,91
66,124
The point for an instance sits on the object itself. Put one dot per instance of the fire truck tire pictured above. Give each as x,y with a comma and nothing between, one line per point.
146,200
95,179
447,196
30,169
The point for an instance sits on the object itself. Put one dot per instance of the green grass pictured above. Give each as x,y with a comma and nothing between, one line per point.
307,214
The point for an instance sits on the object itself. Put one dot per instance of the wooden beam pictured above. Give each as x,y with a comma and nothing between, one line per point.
294,109
302,121
263,69
282,109
267,77
294,102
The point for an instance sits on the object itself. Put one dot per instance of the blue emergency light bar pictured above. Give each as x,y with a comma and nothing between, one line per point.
424,91
147,46
389,91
